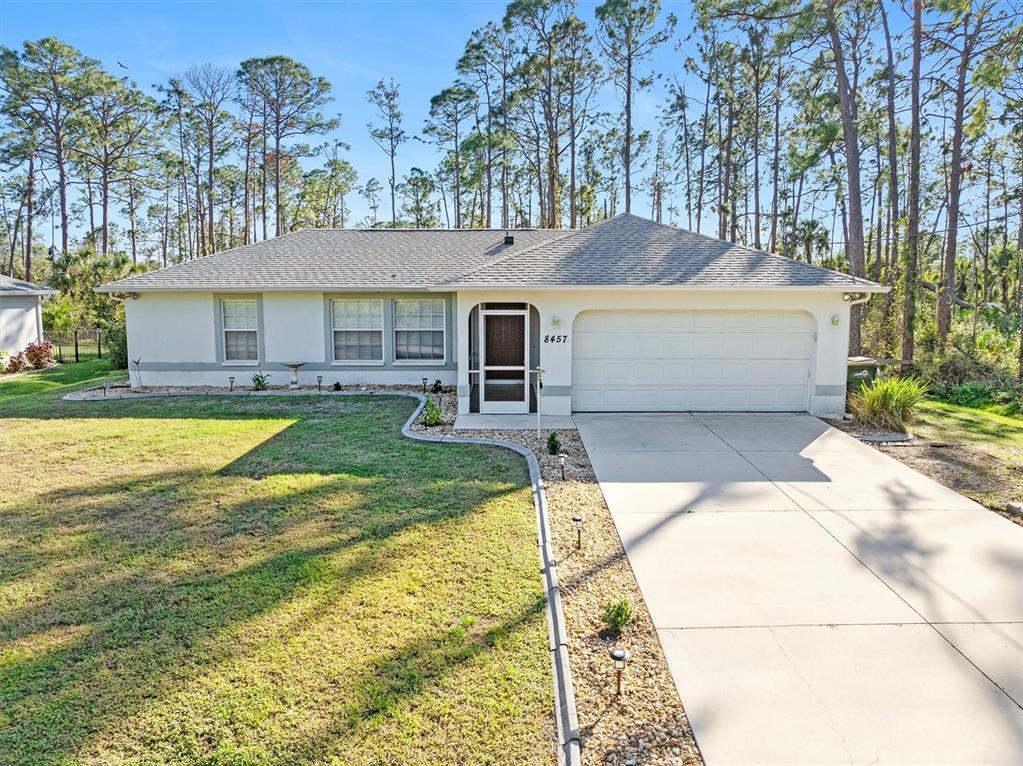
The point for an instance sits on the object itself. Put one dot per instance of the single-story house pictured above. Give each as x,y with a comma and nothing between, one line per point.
21,315
624,315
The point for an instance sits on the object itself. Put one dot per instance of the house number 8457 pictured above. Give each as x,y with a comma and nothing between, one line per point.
555,339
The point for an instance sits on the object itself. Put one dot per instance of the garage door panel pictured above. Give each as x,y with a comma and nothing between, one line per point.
691,360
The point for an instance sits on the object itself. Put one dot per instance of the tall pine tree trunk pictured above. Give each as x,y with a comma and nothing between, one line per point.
913,250
946,294
847,103
776,163
30,213
627,147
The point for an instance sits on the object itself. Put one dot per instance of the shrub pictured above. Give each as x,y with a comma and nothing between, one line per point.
1003,397
438,387
970,394
116,346
432,416
616,615
553,443
337,385
39,354
260,381
17,363
888,403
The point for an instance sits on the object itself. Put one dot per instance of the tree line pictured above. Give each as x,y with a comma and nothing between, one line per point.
880,139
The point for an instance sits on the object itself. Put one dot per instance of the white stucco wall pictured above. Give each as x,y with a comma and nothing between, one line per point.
294,327
828,369
20,322
171,328
177,335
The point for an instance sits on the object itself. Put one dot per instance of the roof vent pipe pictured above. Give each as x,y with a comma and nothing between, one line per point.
509,238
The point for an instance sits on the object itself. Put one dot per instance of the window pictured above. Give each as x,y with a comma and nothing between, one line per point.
358,330
419,330
241,336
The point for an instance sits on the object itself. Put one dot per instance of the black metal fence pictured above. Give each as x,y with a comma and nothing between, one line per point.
78,347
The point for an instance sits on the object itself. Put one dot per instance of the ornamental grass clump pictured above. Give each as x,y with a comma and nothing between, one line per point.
888,403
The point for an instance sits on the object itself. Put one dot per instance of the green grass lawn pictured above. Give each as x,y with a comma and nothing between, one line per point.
939,421
975,452
261,581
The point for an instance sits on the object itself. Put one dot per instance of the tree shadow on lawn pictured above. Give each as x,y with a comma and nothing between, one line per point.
158,577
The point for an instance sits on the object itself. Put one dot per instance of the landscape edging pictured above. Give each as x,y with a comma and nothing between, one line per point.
566,718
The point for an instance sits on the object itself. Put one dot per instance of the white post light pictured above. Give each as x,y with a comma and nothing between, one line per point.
539,387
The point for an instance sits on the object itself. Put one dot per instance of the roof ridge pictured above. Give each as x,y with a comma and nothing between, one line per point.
447,229
510,256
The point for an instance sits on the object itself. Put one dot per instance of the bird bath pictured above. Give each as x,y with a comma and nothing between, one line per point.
293,366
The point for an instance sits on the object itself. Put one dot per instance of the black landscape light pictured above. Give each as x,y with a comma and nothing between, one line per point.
619,659
425,381
578,521
230,383
319,382
561,461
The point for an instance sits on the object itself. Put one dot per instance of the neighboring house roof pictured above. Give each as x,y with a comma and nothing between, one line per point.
11,286
625,251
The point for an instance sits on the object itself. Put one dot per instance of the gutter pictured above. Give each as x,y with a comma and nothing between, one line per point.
866,287
565,716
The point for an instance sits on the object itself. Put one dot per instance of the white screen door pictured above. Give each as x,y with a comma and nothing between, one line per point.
504,376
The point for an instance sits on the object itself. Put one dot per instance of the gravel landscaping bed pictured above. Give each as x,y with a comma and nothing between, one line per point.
647,725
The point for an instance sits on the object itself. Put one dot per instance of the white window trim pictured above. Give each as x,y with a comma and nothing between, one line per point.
395,330
334,362
224,330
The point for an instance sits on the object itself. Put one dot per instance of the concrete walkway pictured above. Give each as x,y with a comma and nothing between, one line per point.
818,601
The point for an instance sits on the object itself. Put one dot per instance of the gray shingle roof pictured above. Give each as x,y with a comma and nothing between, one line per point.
632,251
340,259
624,251
11,286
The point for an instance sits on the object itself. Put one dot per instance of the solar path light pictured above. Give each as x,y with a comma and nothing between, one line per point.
619,659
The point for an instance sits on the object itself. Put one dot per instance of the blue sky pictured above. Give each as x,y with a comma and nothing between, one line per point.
354,44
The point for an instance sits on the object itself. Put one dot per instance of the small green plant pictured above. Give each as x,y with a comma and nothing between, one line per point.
432,416
337,385
616,615
260,381
553,443
888,403
438,387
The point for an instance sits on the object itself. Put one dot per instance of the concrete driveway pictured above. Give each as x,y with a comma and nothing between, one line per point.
818,601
